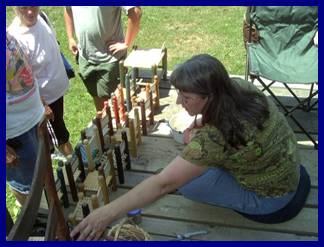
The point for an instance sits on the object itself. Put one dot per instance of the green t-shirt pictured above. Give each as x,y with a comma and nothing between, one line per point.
268,164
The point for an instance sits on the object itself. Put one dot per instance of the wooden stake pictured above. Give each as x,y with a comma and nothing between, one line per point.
126,119
133,149
94,202
134,101
165,63
152,108
85,209
137,126
126,150
80,195
144,128
87,148
157,92
108,112
128,93
69,173
97,123
147,90
122,105
72,223
80,188
154,70
77,151
115,108
112,170
104,189
97,140
65,198
101,171
120,170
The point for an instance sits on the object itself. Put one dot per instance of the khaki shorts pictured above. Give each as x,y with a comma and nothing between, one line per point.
100,79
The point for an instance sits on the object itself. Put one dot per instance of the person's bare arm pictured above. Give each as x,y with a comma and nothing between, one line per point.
133,27
69,25
177,173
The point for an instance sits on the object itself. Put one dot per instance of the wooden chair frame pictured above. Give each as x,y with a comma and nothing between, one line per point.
56,227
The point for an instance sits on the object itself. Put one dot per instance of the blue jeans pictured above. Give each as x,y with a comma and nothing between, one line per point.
218,187
20,177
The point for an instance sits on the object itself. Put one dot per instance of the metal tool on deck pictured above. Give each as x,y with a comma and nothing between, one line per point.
188,235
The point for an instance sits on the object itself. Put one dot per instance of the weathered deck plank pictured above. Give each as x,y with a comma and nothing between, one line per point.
171,228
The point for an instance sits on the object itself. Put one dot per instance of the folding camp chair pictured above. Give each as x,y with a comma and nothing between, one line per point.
280,48
56,227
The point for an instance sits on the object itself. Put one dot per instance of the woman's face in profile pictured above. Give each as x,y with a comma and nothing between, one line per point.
193,103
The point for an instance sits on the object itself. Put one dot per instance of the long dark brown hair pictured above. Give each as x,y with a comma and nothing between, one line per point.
228,104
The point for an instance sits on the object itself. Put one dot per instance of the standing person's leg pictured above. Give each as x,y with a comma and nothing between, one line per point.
107,81
61,132
100,80
20,177
219,188
89,75
99,102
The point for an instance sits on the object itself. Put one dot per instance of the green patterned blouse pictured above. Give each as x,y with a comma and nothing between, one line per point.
268,164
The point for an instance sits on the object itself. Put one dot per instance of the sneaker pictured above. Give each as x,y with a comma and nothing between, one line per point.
57,155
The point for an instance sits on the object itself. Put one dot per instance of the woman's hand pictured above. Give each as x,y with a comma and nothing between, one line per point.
93,226
189,132
49,113
11,157
187,135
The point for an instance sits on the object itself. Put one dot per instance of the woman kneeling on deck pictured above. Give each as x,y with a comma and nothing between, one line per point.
241,154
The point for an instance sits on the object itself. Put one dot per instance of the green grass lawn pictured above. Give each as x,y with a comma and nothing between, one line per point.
186,31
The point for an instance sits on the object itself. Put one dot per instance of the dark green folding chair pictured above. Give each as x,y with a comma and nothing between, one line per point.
280,48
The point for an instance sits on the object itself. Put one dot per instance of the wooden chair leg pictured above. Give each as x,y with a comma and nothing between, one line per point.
9,222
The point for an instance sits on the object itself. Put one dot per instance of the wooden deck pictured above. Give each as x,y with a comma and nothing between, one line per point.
174,214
